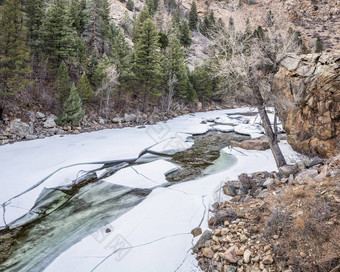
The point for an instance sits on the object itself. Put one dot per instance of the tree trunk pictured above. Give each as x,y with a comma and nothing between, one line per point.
273,143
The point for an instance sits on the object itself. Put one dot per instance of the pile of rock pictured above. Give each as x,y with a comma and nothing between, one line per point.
235,246
241,238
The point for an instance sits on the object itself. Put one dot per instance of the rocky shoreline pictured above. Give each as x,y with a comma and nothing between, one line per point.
276,222
41,125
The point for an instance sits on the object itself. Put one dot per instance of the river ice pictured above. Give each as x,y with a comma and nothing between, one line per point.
155,234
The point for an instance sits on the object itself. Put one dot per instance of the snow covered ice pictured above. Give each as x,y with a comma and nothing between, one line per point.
153,235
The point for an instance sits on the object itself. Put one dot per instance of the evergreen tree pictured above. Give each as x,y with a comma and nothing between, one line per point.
193,16
122,58
84,89
73,112
35,10
77,11
80,55
138,24
57,33
97,24
63,82
185,34
161,16
176,18
130,5
93,64
202,83
127,25
147,64
231,24
152,5
163,40
14,53
318,45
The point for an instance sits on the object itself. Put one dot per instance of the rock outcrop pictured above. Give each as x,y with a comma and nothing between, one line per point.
308,102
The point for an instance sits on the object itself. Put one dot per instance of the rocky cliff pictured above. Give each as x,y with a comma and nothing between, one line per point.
308,102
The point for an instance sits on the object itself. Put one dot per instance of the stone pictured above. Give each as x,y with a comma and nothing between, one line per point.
31,137
50,122
224,231
288,170
207,252
40,115
200,243
255,269
101,121
268,260
130,117
253,144
217,232
116,120
20,128
306,176
269,181
230,255
246,256
230,268
196,232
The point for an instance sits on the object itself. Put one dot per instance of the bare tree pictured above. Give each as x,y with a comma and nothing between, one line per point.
246,63
172,82
109,84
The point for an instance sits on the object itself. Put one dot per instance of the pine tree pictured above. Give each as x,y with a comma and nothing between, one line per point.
77,11
73,112
97,24
63,83
152,5
14,54
147,64
35,10
130,5
57,33
122,58
202,83
193,16
318,45
84,89
231,24
161,16
138,24
185,34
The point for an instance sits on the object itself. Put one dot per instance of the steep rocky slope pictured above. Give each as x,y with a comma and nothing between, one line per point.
308,102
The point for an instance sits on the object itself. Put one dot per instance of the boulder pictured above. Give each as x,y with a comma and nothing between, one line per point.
254,144
288,170
101,121
306,176
207,252
40,115
231,254
50,122
20,128
130,117
201,242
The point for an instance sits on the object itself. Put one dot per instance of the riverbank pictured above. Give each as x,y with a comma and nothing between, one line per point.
276,223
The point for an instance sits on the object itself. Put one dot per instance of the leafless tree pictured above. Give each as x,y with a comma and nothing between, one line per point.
172,82
109,84
246,63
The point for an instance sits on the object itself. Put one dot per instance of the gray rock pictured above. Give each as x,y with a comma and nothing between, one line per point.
20,128
40,115
306,176
201,242
130,117
50,122
268,260
31,137
287,170
101,121
268,182
230,268
246,256
314,162
116,120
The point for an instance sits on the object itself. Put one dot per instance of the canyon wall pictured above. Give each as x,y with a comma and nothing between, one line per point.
307,89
